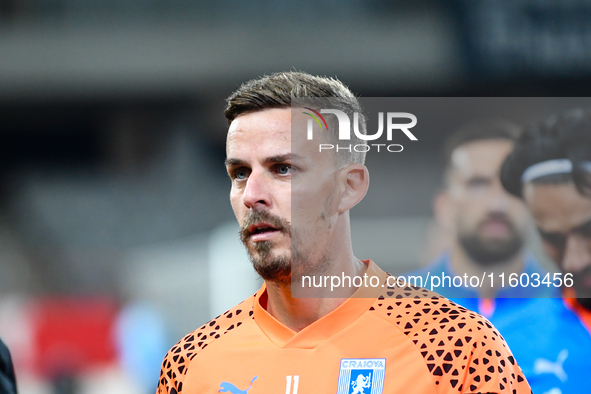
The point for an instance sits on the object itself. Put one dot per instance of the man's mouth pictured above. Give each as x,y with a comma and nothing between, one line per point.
261,232
496,227
261,228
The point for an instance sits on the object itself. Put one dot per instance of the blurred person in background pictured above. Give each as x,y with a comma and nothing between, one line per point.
550,169
487,226
367,339
7,379
489,229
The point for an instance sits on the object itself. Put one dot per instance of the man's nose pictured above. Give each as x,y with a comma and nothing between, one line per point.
257,190
577,253
498,198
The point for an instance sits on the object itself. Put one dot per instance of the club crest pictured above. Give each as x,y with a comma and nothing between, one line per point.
361,376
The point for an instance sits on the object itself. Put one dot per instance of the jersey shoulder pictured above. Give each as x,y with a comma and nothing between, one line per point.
177,360
461,349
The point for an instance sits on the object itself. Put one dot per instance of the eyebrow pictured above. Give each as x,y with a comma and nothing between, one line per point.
230,162
234,162
282,158
480,177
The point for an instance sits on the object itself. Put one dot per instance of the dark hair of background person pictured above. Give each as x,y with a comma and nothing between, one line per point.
279,89
563,136
497,129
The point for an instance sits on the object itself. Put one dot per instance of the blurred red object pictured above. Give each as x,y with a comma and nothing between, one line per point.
73,334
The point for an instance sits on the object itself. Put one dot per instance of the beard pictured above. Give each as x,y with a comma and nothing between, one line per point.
488,251
266,264
582,286
281,268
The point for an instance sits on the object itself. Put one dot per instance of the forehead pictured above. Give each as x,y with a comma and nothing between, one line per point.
557,207
483,157
267,133
260,129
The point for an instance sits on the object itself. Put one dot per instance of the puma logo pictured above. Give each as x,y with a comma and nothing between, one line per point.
542,365
227,387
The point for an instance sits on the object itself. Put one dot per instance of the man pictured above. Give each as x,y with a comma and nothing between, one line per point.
550,169
292,203
489,228
7,379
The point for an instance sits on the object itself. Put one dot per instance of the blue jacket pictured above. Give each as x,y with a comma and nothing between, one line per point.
550,343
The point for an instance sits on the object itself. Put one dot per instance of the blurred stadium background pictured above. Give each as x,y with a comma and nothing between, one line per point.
116,234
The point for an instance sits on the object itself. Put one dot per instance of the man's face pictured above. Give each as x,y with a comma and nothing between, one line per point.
563,218
490,224
277,180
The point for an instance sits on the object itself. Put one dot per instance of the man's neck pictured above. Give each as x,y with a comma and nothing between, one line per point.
462,264
298,313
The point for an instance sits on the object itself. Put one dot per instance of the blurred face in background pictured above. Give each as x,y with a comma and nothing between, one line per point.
490,224
563,218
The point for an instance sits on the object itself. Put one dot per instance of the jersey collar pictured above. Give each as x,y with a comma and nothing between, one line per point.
325,327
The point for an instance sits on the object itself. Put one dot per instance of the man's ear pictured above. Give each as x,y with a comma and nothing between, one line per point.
354,180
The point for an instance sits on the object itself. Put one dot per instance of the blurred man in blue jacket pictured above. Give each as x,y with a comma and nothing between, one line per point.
489,227
550,168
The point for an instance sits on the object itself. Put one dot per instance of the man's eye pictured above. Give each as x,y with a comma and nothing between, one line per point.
284,169
240,174
478,183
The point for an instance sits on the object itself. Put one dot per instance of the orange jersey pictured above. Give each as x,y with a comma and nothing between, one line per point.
381,340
